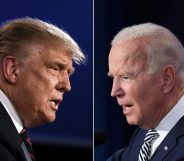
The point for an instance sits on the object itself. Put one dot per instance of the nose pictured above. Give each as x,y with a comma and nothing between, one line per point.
64,82
117,90
67,84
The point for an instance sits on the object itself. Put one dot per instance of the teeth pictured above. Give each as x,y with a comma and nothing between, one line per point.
53,103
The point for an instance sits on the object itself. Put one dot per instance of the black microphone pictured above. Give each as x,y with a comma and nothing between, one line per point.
99,138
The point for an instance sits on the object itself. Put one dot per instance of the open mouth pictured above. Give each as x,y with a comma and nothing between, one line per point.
127,109
55,104
127,105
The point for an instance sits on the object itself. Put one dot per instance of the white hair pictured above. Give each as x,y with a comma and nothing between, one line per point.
162,46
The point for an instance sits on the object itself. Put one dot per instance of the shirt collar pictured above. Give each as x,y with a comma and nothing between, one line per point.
168,122
11,111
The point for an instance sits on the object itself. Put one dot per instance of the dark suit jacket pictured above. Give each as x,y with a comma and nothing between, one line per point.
11,144
171,148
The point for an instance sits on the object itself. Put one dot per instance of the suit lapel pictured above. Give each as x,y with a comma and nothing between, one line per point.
136,143
169,142
165,147
10,136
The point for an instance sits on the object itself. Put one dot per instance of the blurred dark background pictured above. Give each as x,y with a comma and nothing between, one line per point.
70,137
110,16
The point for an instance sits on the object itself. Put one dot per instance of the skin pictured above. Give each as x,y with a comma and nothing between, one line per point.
36,84
145,98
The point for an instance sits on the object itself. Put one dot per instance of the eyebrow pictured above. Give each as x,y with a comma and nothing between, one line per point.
64,65
109,74
123,73
71,71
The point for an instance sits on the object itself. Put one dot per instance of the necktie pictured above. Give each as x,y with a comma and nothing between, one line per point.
27,142
145,151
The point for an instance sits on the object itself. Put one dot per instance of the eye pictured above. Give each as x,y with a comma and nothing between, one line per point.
125,77
56,68
69,73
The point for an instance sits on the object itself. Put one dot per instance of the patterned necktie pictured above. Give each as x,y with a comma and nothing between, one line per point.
145,151
27,142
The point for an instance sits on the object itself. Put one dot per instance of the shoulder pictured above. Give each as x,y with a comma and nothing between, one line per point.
118,155
129,151
5,154
10,141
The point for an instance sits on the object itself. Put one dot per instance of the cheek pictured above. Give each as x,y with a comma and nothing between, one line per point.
148,88
135,92
36,90
42,82
148,97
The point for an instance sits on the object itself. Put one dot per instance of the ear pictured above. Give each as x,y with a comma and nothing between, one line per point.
9,65
168,78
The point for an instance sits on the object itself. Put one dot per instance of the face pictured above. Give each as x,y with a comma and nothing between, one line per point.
137,92
41,82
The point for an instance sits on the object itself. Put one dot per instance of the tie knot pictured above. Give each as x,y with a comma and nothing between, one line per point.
23,131
151,135
145,151
24,134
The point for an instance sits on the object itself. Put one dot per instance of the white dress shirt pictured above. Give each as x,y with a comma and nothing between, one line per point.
11,111
168,122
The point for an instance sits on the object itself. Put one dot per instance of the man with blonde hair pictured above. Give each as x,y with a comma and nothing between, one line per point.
146,63
36,61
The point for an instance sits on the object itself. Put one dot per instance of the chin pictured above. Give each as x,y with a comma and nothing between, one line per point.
132,122
52,118
48,119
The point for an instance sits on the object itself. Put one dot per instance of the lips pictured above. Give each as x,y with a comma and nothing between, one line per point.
127,108
55,103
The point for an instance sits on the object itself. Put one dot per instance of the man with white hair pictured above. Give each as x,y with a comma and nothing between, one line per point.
146,63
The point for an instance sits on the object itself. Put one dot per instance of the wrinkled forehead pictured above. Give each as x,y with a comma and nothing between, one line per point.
55,44
127,54
49,55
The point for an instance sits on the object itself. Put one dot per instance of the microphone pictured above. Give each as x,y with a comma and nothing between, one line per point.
99,138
